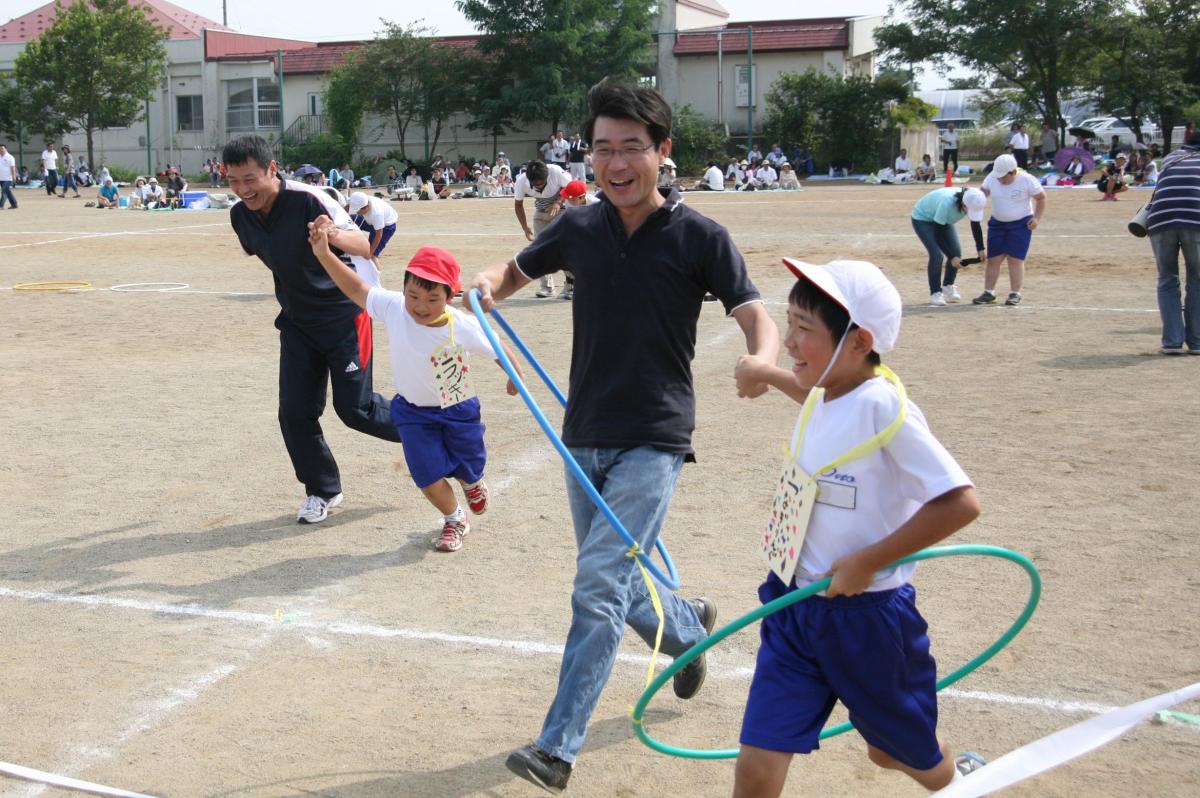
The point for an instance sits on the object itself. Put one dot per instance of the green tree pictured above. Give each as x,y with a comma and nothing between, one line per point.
345,99
1038,47
92,69
541,56
694,141
842,120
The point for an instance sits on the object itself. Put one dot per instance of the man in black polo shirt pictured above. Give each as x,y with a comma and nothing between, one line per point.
642,264
323,336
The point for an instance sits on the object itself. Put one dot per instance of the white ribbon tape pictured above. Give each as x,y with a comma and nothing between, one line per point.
29,774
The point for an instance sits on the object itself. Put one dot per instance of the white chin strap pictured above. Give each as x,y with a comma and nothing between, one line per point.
836,352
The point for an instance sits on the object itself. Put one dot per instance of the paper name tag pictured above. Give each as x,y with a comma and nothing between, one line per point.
452,374
791,511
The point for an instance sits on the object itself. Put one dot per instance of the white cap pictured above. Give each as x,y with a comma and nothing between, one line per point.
975,201
1004,164
863,290
358,201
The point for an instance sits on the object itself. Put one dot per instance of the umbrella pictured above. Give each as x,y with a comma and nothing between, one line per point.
1082,132
306,170
1062,158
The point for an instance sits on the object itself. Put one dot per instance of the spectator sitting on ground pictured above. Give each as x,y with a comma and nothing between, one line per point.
776,156
347,177
904,167
153,195
788,181
83,176
504,181
1150,173
441,187
1075,169
137,196
176,185
754,156
485,184
743,180
731,171
462,171
925,169
108,196
765,177
666,174
713,180
413,179
1112,179
23,176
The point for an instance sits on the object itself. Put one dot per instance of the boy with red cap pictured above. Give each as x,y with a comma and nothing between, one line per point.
435,410
574,194
864,484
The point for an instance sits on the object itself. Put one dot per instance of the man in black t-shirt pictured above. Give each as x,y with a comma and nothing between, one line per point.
642,263
323,336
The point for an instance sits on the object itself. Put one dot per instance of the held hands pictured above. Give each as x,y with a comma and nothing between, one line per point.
852,575
750,374
318,234
511,388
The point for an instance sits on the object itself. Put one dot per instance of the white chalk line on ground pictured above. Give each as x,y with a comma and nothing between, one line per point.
524,647
84,236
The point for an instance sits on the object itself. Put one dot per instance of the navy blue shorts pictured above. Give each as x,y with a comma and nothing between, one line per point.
441,443
1009,238
388,232
869,651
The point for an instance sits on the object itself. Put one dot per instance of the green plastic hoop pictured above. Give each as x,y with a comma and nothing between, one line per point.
1035,592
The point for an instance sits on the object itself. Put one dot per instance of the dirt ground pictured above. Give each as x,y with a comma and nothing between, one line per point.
166,627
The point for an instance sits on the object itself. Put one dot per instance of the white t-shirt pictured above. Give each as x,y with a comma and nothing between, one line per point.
411,344
867,499
8,168
949,139
1020,141
1014,201
766,174
714,178
903,164
49,160
379,214
556,181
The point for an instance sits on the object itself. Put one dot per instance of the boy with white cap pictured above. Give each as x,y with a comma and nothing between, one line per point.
379,215
881,487
1018,203
933,220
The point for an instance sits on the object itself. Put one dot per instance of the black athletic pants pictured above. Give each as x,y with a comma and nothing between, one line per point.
947,157
309,358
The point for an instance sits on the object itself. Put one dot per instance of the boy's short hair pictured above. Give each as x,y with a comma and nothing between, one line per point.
244,149
428,285
536,171
619,101
806,296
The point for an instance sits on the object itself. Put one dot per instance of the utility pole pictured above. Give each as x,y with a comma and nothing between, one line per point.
750,82
224,14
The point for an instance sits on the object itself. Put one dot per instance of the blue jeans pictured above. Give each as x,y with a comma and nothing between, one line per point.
6,193
609,591
1181,321
939,240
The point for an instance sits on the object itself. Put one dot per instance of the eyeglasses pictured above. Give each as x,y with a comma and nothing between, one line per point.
628,153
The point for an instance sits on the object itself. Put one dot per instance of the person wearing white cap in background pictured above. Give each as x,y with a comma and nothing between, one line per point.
153,196
863,642
1018,202
933,220
380,215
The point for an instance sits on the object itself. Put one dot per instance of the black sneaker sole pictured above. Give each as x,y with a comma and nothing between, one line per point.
518,766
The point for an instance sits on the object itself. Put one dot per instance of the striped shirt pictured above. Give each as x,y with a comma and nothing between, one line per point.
1176,200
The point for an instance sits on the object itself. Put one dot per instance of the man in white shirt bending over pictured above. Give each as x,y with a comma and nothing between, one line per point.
543,182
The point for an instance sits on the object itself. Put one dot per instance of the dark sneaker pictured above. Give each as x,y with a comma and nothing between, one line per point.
689,680
1013,299
984,299
968,762
535,765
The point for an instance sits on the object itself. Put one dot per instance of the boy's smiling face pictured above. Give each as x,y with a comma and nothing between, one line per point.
425,306
809,343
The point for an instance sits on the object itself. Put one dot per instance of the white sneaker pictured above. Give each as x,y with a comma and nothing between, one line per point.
938,300
315,509
951,294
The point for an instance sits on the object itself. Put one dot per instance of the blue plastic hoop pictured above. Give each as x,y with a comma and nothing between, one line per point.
669,579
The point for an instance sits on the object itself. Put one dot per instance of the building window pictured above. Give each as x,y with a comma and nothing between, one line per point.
189,112
253,104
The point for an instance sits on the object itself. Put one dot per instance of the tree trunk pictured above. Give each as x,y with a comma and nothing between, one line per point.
437,134
91,160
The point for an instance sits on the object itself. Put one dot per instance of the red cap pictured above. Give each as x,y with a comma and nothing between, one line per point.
437,265
576,188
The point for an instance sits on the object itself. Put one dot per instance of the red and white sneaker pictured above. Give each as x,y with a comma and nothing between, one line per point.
477,497
452,536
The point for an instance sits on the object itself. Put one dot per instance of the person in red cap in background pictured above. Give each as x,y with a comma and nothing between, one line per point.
435,410
574,194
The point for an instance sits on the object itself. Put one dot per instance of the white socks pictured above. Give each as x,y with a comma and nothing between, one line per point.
458,516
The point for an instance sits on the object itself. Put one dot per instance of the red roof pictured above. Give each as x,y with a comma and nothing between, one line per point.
772,36
219,44
318,59
183,24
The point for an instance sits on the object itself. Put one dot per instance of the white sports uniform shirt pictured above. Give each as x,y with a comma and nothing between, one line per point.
867,499
379,214
556,181
714,178
410,344
1014,201
903,164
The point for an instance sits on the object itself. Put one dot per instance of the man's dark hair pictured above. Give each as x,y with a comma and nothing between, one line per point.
427,285
536,171
1194,139
806,296
619,101
244,149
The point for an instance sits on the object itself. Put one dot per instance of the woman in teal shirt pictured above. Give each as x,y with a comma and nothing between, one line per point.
933,219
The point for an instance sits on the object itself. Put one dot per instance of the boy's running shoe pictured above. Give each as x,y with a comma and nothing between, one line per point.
477,497
535,765
1014,298
315,509
986,298
452,536
968,762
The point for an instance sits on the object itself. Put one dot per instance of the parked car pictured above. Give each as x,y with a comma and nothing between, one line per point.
1108,126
